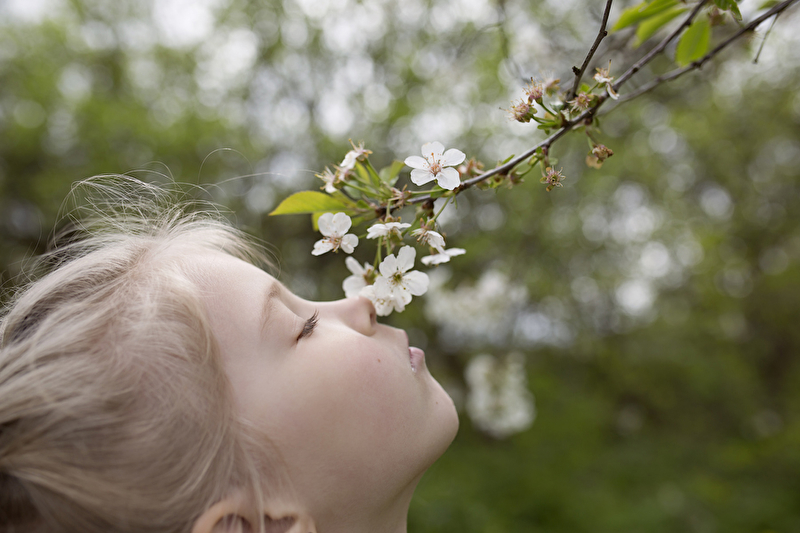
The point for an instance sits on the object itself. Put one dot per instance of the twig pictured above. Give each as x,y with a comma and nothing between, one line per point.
600,36
669,76
764,40
601,99
660,47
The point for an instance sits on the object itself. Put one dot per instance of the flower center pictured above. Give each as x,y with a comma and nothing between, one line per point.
436,166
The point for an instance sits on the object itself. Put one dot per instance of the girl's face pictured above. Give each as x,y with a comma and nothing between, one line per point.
350,415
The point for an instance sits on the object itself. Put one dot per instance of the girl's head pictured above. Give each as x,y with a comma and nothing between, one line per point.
156,380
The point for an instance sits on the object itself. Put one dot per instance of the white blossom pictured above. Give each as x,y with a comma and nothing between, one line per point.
358,153
442,257
499,402
380,295
353,285
436,164
387,229
330,180
431,238
334,228
395,285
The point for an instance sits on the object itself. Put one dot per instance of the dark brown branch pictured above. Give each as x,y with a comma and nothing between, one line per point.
669,76
660,47
600,36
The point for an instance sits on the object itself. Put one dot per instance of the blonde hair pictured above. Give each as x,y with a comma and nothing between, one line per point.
115,411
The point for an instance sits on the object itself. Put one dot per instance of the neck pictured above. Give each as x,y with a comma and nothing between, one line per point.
391,517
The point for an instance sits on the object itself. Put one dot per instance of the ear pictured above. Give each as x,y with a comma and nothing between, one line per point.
233,515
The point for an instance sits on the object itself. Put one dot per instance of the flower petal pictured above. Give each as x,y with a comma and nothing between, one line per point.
353,266
352,285
421,177
322,246
416,282
325,224
405,258
341,223
453,157
453,252
436,148
415,161
376,230
349,242
435,259
388,266
448,178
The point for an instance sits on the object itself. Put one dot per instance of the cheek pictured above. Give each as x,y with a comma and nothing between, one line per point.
358,398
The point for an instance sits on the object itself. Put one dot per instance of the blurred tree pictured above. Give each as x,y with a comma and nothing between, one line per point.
653,299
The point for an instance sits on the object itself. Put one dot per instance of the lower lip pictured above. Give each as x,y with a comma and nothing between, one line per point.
417,357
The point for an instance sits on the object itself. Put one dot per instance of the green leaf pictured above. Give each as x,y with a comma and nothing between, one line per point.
650,26
768,4
729,5
389,174
694,42
309,202
645,10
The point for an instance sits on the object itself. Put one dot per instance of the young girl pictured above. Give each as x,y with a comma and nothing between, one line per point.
155,379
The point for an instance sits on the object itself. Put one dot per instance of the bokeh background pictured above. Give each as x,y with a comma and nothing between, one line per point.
650,307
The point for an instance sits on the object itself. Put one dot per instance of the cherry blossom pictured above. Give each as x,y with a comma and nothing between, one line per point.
354,284
387,229
442,257
334,228
431,238
603,77
436,164
380,294
395,285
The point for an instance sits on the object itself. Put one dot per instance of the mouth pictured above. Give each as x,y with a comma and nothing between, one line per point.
416,356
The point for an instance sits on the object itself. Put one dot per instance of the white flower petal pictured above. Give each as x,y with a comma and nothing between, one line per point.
453,157
453,252
388,266
416,282
325,224
341,223
421,177
448,178
415,161
436,148
349,242
376,230
353,266
352,285
405,258
322,246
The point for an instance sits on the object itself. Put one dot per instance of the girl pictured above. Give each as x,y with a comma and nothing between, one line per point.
155,379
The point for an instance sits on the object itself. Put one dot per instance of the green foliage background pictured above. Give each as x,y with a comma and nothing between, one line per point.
670,400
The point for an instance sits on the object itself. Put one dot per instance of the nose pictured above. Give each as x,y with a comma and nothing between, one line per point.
357,313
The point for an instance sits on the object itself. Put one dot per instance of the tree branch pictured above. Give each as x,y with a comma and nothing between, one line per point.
600,36
669,76
588,115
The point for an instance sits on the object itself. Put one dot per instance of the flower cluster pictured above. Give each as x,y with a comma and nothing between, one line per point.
499,402
389,282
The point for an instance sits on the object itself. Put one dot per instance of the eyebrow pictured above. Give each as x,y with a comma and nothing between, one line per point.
269,303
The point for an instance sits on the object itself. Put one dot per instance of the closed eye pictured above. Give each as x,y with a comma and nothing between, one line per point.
309,326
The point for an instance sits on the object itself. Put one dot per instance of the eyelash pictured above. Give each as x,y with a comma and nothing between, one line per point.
308,327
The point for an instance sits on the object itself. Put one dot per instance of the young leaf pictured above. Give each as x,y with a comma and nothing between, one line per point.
650,26
645,10
767,4
389,174
694,42
309,202
729,5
